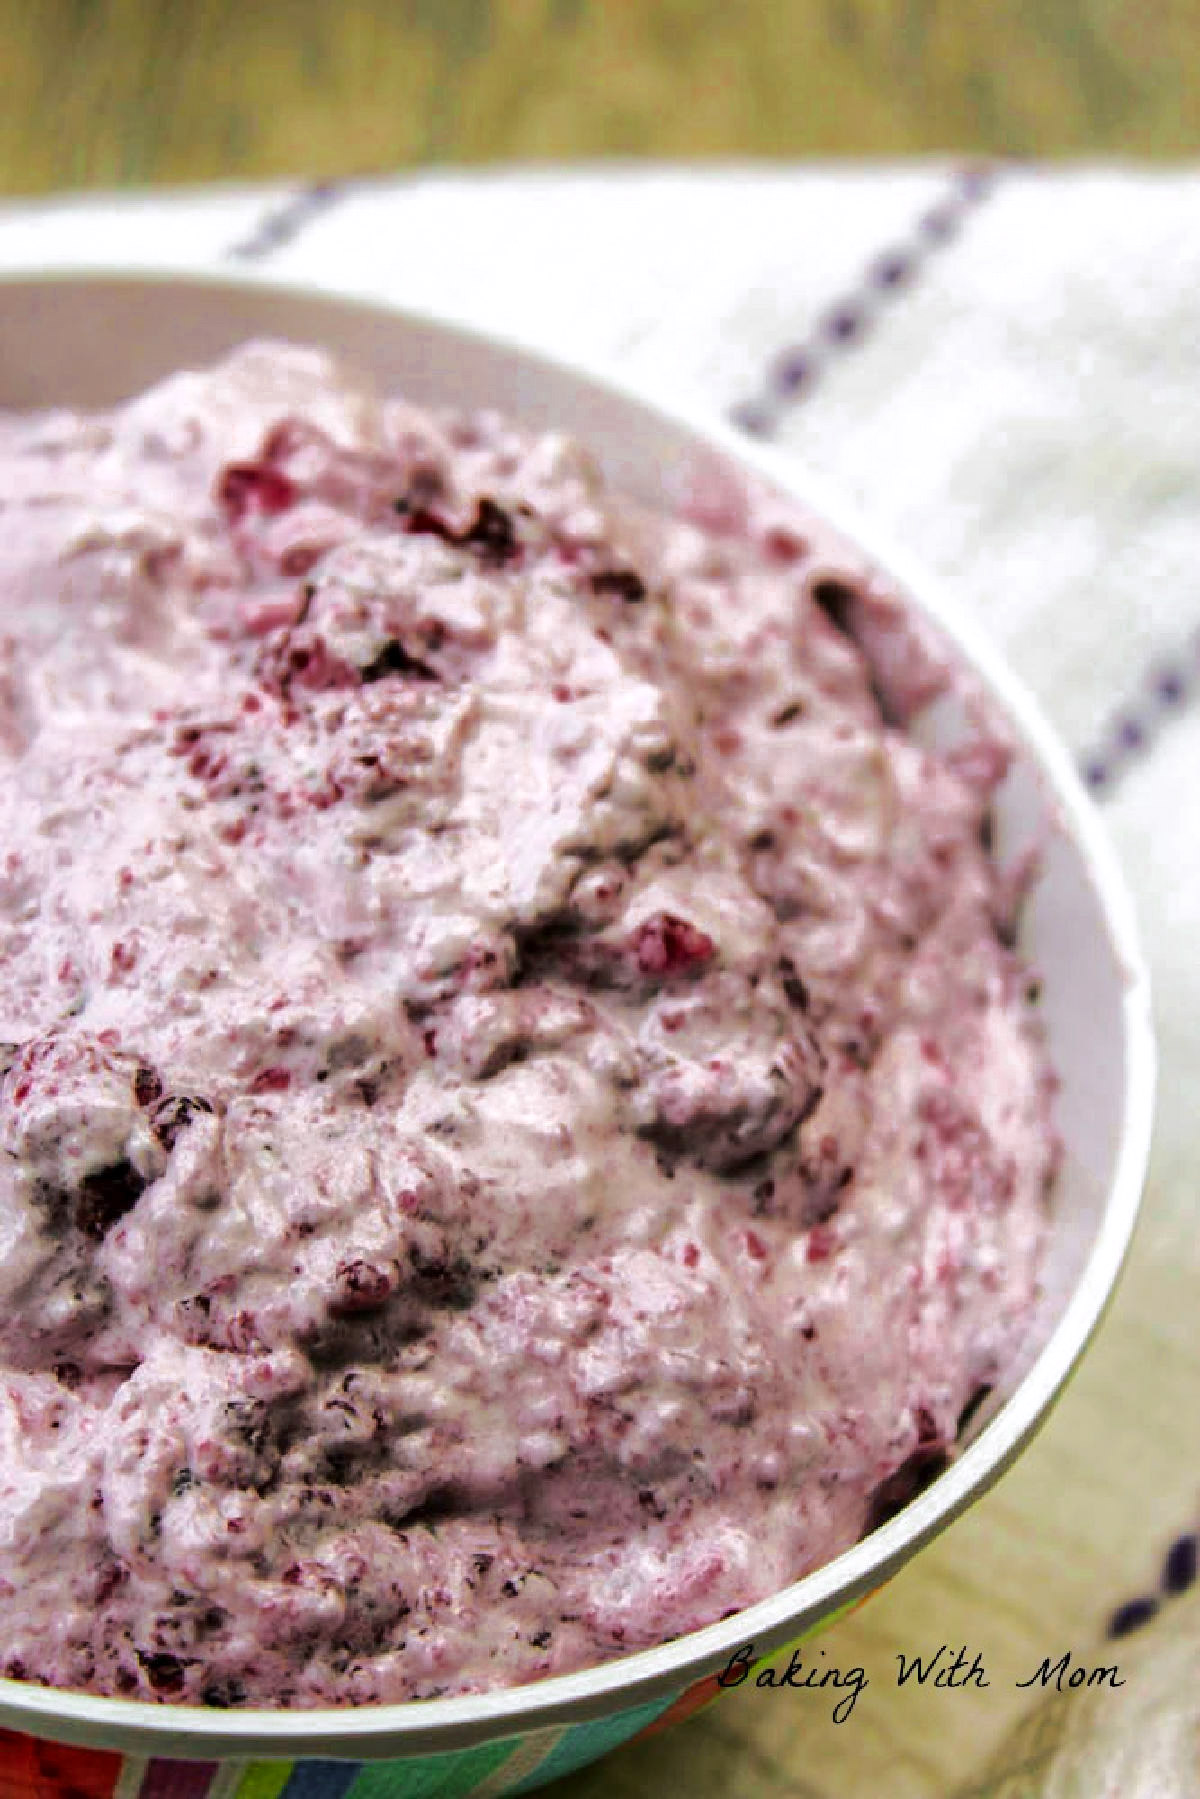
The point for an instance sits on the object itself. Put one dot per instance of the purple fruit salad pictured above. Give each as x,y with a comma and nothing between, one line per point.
522,1119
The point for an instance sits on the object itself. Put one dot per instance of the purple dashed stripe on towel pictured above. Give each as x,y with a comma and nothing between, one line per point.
1180,1564
1167,689
1178,1575
796,369
1169,686
284,223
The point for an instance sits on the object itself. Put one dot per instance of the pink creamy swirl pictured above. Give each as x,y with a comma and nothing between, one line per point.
523,1126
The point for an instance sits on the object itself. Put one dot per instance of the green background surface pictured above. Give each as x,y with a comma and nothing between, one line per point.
102,92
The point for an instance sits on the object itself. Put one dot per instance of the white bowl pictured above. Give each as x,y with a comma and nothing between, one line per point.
92,340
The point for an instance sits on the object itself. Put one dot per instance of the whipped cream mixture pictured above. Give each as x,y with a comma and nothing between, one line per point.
521,1121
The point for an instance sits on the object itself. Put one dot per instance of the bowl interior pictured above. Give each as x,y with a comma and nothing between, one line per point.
92,341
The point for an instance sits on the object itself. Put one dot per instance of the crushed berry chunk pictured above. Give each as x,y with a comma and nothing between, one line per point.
271,1080
900,1489
793,987
146,1086
363,1286
106,1196
444,1280
174,1114
166,1673
836,601
668,945
623,583
490,531
249,487
224,1693
394,659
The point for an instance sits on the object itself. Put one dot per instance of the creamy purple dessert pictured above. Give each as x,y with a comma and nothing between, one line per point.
523,1126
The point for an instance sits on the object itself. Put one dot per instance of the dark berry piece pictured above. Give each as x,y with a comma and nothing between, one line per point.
912,1477
224,1693
247,1422
250,487
492,530
420,520
271,1080
174,1114
444,1280
112,1576
793,987
623,583
927,1430
146,1086
304,660
820,1244
668,945
105,1196
166,1673
394,659
835,598
363,1286
783,544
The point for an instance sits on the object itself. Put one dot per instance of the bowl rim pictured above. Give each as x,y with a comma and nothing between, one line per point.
431,1725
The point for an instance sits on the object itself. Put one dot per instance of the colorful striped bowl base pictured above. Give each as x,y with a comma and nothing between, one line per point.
33,1769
